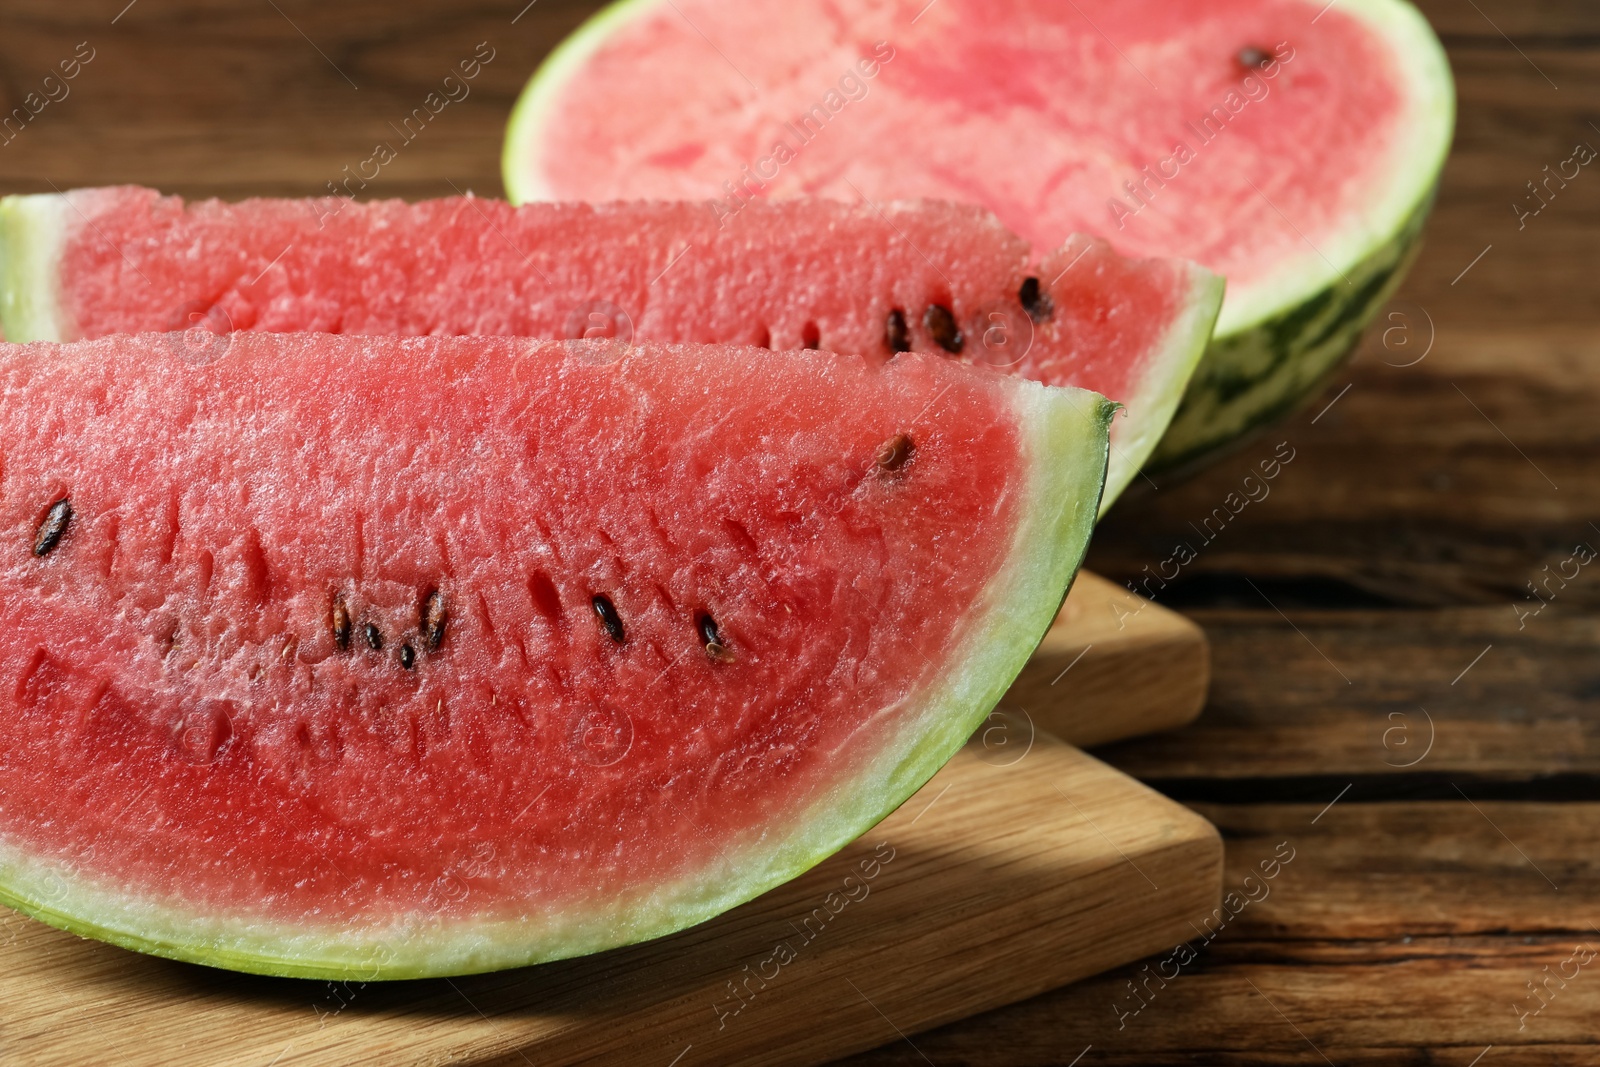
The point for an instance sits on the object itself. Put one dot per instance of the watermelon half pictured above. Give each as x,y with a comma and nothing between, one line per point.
925,277
362,657
1291,146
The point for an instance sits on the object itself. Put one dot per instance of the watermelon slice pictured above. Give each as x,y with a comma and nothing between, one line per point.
1290,145
929,277
362,657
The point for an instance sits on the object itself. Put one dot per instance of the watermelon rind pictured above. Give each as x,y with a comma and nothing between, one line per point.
32,233
1065,449
1275,345
1149,411
1254,377
1275,341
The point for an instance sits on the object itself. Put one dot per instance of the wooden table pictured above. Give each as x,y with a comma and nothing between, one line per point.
1432,760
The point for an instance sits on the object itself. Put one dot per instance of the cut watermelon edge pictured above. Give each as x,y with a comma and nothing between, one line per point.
1164,383
1066,444
33,231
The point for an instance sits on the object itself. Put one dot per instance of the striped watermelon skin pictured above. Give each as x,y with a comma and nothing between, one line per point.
1253,378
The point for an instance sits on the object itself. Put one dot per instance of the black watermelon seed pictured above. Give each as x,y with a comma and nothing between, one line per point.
408,658
54,525
374,636
716,649
1252,58
895,453
434,618
610,621
895,332
1035,301
810,336
341,623
942,324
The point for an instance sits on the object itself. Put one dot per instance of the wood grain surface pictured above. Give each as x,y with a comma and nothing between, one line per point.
1368,607
1113,666
1015,870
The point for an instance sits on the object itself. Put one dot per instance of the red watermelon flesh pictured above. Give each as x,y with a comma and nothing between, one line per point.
1265,139
786,276
389,657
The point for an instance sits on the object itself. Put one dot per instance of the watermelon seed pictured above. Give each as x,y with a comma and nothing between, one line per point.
434,618
374,636
341,623
1252,58
408,658
895,452
716,648
896,333
942,324
610,621
810,336
54,525
1035,301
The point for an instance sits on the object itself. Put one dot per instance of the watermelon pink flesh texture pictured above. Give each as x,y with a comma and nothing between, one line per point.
789,276
1289,145
369,657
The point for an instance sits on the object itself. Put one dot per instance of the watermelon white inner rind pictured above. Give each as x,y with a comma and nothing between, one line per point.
1310,202
34,230
1159,391
94,262
1062,450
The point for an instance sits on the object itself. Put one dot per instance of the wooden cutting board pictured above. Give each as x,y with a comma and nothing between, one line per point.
1017,869
1113,666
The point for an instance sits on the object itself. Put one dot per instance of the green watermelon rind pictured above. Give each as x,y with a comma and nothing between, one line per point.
1276,342
1252,379
1272,353
1150,409
1065,435
32,233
